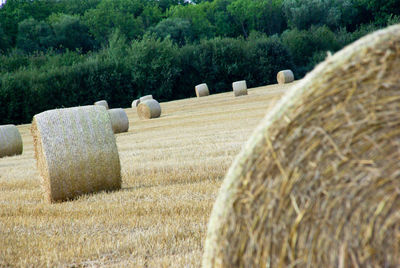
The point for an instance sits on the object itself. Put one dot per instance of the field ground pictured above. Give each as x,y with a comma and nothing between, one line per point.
172,168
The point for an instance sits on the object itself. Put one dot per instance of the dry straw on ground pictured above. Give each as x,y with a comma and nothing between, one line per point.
202,90
119,120
76,152
144,98
149,109
135,103
317,184
10,141
239,88
285,76
102,103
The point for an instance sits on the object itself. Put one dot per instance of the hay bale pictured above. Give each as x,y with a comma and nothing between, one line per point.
135,103
119,120
149,109
202,90
147,97
285,76
10,141
76,152
102,103
317,184
239,88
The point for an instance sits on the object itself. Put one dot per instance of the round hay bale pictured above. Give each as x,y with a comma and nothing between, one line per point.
102,103
285,76
317,184
76,152
135,103
202,90
119,120
10,141
239,88
149,109
144,98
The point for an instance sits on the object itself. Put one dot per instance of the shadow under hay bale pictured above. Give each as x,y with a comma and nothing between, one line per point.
239,88
10,141
317,184
119,120
76,152
202,90
285,76
102,103
149,109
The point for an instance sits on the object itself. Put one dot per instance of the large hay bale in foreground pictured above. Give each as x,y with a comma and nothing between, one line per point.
144,98
149,109
285,76
135,103
102,103
317,184
76,152
10,141
239,88
119,120
202,90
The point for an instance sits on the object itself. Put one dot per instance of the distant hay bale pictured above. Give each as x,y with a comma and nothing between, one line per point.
144,98
239,88
285,76
10,141
119,120
317,184
76,152
135,103
202,90
149,109
102,103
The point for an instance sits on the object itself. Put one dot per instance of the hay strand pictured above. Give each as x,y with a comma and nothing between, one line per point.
317,184
10,141
76,152
119,120
149,109
285,76
239,88
102,103
202,90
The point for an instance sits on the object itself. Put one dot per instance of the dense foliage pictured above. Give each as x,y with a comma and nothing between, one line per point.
62,53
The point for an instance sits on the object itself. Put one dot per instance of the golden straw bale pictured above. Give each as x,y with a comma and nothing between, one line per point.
202,90
317,184
102,103
10,141
285,76
239,88
76,152
119,120
147,97
149,109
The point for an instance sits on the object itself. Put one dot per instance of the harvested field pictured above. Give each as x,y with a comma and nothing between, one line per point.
172,168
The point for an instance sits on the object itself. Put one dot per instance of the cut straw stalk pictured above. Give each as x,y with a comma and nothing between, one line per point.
317,183
202,90
285,76
10,141
76,152
102,103
149,109
239,88
119,120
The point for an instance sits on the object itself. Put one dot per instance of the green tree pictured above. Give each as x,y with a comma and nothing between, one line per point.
179,30
4,41
34,35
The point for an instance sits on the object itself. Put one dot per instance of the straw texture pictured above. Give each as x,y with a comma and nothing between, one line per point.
76,152
102,103
285,76
202,90
317,184
10,141
119,120
149,109
239,88
135,103
144,98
